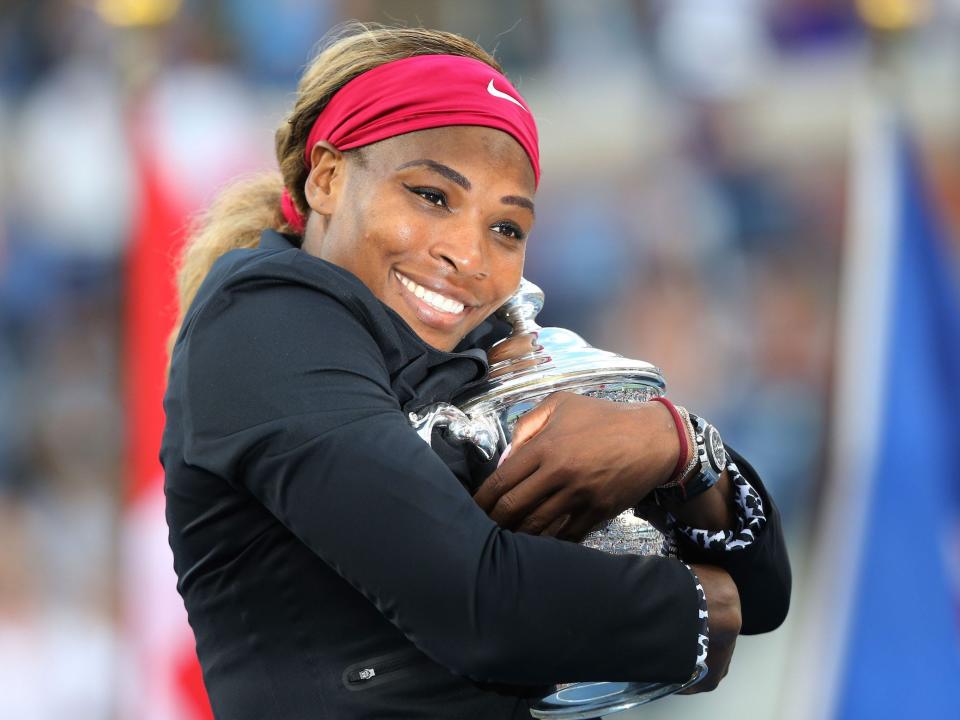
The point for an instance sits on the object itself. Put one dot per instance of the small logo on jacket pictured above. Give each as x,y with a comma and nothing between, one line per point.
496,93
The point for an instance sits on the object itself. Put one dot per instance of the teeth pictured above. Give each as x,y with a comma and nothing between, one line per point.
431,298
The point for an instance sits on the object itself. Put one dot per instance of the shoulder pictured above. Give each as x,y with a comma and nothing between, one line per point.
280,313
271,337
279,289
273,316
257,276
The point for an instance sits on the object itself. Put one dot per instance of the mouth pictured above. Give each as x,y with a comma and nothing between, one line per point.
436,309
435,300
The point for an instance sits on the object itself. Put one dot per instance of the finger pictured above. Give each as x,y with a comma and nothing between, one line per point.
553,508
515,506
554,528
507,476
505,454
579,525
719,656
533,421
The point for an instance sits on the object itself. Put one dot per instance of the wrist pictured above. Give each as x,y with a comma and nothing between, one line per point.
713,509
690,460
677,442
705,468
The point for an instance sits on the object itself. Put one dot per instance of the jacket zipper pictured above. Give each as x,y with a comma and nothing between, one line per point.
379,668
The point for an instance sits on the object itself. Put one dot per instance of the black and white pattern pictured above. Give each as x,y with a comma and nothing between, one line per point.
750,519
703,636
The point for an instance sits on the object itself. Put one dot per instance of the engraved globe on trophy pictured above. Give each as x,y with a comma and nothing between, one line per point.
525,367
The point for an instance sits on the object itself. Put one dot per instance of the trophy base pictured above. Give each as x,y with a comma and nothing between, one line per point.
590,700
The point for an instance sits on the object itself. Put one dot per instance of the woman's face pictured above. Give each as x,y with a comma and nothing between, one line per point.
434,222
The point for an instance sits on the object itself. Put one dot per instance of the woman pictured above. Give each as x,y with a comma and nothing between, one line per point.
332,564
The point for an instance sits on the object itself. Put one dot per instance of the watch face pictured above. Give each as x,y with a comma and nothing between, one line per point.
716,453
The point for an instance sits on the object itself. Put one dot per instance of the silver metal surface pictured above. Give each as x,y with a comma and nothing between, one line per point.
480,431
626,534
533,362
590,700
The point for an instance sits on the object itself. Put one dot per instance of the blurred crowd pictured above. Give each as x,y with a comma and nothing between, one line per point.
691,214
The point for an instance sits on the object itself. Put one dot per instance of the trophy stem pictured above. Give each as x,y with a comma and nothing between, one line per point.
522,308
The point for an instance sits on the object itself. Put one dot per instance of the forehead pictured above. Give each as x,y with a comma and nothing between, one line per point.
471,150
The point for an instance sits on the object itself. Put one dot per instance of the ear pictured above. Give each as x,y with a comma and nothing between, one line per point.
325,181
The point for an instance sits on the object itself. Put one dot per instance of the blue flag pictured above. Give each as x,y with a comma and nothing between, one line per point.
902,655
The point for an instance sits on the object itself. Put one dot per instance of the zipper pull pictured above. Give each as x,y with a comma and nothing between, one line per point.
361,675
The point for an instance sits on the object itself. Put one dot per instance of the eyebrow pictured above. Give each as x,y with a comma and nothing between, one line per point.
448,172
452,175
519,201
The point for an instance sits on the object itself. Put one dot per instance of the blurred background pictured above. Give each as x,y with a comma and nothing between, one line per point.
695,212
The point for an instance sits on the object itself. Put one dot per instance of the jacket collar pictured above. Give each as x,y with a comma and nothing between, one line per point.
420,374
273,240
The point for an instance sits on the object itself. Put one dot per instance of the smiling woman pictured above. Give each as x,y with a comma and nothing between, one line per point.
332,563
438,239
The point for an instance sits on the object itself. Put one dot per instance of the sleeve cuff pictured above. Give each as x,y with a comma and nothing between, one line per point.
750,519
703,628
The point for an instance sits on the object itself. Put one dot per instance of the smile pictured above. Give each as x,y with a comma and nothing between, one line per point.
431,298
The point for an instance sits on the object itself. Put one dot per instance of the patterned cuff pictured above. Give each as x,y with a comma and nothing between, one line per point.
703,629
750,519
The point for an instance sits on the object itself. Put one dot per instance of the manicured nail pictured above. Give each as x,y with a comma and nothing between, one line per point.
506,451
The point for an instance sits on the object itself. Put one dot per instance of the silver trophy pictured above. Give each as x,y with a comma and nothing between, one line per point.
526,367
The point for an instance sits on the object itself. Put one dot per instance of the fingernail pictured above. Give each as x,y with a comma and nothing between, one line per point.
506,451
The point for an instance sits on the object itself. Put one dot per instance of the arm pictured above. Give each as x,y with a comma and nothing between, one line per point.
577,461
288,398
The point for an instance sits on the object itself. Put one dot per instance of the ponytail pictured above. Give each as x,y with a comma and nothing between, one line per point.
235,220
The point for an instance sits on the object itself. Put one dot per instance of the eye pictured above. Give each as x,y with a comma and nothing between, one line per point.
509,230
431,195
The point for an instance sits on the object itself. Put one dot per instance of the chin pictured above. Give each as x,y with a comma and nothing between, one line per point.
440,343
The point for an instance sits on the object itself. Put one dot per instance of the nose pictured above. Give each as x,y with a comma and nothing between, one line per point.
462,248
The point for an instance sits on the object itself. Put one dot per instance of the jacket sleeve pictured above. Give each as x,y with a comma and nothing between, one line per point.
287,397
761,571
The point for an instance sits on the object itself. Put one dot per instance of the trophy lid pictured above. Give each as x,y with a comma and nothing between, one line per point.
533,361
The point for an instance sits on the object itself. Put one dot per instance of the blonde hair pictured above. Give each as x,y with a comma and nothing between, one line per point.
247,207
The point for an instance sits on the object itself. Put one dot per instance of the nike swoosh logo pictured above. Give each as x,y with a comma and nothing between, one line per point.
496,93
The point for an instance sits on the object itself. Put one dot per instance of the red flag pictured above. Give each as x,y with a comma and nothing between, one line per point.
197,128
164,681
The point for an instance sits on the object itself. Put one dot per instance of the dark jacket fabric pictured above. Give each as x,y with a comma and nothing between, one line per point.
333,565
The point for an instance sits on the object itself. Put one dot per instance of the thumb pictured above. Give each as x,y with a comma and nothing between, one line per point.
532,422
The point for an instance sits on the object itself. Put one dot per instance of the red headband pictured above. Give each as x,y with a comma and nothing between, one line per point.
425,91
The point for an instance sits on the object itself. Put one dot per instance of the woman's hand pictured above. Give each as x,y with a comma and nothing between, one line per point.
723,609
576,461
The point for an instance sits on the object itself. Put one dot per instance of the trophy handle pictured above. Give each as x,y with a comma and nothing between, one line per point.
460,427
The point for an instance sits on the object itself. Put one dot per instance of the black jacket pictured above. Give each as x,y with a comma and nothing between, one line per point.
334,566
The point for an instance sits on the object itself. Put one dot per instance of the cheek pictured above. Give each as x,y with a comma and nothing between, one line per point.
394,233
509,271
405,235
